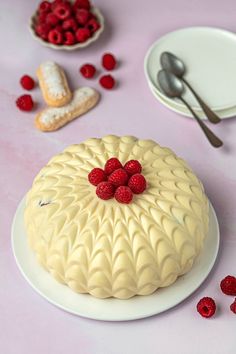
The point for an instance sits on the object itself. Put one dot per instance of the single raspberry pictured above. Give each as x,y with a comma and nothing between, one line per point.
105,190
118,177
62,10
206,307
132,167
96,176
25,103
233,306
123,194
228,285
93,25
137,183
52,19
27,82
108,61
55,3
107,82
42,30
111,165
82,4
82,16
82,34
69,38
55,36
70,24
45,6
88,70
41,17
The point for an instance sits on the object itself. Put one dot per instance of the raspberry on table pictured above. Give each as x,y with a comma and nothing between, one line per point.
228,285
233,306
69,38
132,167
107,82
25,103
82,34
111,165
27,82
108,61
88,70
96,176
123,194
206,307
105,190
118,177
137,183
55,36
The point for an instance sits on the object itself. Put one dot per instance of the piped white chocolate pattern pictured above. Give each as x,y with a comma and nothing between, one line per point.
109,249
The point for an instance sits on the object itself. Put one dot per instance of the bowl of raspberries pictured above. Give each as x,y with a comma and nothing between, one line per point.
66,25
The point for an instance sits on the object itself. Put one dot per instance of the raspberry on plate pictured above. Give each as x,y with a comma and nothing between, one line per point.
96,176
52,19
137,183
70,24
27,82
107,82
55,36
132,167
123,194
228,285
69,38
82,34
42,30
118,177
105,190
25,103
206,307
45,6
82,16
88,70
111,165
108,61
93,25
82,4
62,10
233,307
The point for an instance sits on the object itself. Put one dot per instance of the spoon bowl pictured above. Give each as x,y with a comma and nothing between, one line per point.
172,64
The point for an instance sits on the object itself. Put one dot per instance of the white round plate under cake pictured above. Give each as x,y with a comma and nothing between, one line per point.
111,309
210,56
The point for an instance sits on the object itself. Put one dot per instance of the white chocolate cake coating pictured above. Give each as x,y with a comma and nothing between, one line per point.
110,249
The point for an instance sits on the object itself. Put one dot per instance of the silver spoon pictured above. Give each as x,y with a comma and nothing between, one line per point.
173,87
173,64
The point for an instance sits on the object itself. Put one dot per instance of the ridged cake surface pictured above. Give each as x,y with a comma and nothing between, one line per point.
108,249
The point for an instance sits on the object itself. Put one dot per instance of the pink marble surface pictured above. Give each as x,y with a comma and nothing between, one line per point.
28,323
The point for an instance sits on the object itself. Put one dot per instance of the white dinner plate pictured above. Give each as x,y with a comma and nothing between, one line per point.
209,55
226,113
111,309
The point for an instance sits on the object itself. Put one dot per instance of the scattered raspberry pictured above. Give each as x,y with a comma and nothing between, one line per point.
228,285
111,165
105,190
82,4
123,194
137,183
206,307
132,167
52,19
42,30
45,6
70,24
82,16
62,10
55,36
108,61
93,25
233,306
96,176
27,82
107,82
25,103
69,38
82,34
88,70
118,177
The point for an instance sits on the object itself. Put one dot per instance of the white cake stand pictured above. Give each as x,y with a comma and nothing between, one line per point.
111,309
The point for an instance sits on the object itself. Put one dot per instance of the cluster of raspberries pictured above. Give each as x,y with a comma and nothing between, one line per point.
61,22
118,181
207,306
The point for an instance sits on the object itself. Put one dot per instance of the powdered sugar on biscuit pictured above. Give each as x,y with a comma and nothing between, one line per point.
53,79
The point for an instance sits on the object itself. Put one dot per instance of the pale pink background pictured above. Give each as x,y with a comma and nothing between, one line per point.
28,323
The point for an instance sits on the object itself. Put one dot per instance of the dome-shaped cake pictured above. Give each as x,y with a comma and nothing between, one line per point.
106,248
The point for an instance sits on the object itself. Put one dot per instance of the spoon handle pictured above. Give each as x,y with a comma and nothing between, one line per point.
212,116
213,139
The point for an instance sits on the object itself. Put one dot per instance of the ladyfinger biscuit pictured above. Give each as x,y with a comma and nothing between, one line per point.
52,118
53,84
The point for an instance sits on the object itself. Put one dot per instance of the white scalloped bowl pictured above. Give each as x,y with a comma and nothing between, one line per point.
76,46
